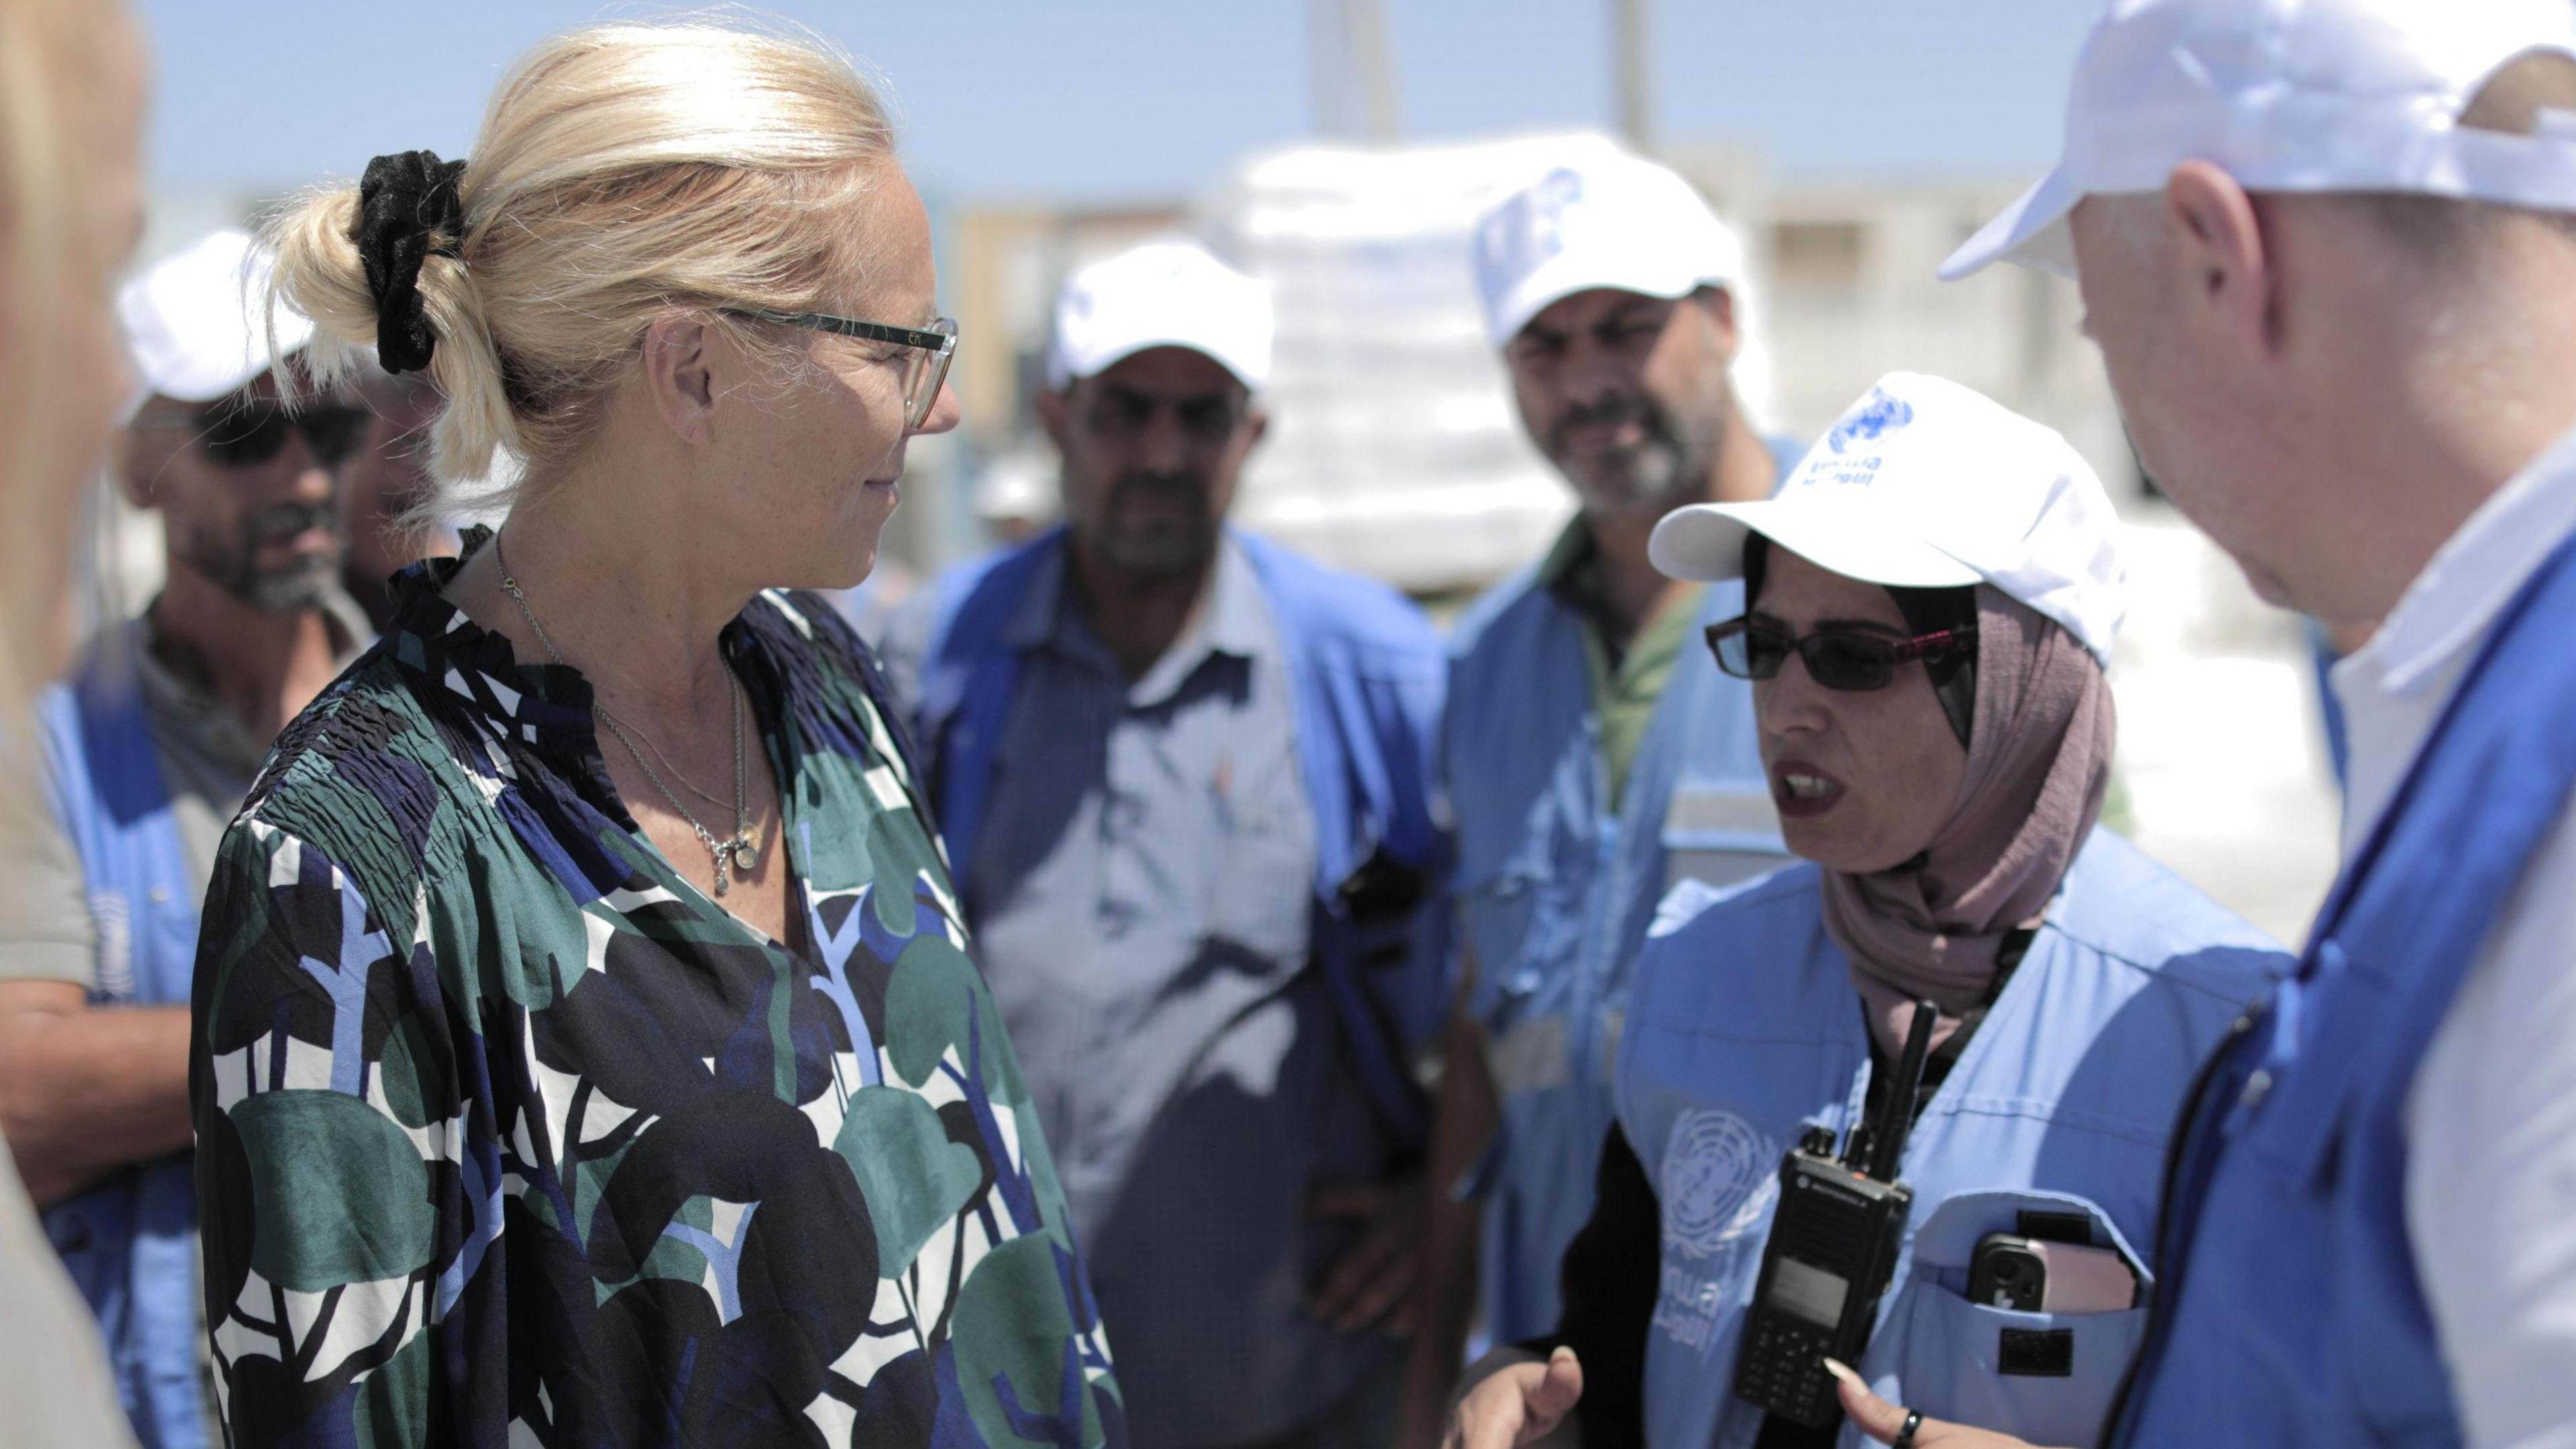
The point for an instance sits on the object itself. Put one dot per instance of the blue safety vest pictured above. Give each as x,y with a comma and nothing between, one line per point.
1365,675
2295,1316
1556,885
131,1241
1746,1029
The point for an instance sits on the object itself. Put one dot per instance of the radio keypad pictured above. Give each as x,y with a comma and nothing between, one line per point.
1785,1370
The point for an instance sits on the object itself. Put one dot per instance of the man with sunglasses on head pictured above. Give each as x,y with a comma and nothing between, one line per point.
1593,757
1184,777
152,744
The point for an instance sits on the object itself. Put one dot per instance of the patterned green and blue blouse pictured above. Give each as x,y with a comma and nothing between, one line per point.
508,1135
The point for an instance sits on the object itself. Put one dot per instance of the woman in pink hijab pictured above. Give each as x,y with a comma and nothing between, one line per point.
1930,602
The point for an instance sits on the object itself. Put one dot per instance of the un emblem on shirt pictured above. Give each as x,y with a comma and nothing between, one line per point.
1719,1177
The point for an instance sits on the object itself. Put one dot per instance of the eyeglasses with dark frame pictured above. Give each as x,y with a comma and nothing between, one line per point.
924,370
1837,657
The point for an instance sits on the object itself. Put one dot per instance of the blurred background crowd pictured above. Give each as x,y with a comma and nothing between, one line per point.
1341,150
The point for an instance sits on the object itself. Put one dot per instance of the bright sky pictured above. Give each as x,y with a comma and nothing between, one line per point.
1149,99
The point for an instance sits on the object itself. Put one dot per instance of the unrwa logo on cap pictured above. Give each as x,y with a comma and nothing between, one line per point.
1545,208
1876,417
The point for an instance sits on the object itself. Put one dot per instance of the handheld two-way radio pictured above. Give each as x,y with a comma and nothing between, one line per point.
1834,1244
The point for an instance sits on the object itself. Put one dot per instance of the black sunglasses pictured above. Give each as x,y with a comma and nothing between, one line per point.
925,366
246,435
1837,658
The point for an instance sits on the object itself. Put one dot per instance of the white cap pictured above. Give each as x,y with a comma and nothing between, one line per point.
1927,484
196,323
1614,220
1170,292
2292,95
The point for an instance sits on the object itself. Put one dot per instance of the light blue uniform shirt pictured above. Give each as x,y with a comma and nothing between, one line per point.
1747,1029
1143,887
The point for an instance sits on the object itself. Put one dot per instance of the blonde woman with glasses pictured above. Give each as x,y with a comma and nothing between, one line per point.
588,1049
71,91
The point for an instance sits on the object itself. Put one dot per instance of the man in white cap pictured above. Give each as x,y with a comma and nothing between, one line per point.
153,743
2327,248
1184,777
1593,758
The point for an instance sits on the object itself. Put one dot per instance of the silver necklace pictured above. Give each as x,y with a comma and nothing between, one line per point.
692,786
742,852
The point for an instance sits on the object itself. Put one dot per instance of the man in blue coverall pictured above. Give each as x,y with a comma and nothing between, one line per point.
1184,776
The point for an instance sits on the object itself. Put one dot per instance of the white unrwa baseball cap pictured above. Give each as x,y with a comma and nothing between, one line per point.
1610,220
196,323
1927,484
1171,292
2292,95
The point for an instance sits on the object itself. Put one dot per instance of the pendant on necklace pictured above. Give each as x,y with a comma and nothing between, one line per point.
723,882
746,854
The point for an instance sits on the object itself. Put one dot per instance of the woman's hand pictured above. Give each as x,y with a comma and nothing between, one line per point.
1884,1421
1516,1405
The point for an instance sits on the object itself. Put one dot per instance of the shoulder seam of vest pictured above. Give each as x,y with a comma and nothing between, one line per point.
2156,971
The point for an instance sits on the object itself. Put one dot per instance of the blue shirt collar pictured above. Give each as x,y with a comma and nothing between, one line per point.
1234,619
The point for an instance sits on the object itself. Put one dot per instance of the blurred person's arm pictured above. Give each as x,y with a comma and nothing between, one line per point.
1378,1283
1462,1125
83,1090
86,1089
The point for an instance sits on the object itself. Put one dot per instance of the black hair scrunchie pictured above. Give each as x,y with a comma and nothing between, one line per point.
402,200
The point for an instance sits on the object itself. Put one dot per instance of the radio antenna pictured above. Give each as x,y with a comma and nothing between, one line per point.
1896,1110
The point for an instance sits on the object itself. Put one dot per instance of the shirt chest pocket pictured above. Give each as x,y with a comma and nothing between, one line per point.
1259,845
2044,1377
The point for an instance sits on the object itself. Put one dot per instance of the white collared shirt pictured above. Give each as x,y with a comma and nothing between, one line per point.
2491,1118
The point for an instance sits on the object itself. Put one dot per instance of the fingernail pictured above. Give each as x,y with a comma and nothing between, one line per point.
1842,1371
1561,1355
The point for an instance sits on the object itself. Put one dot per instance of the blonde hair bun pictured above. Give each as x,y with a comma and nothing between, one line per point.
620,171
